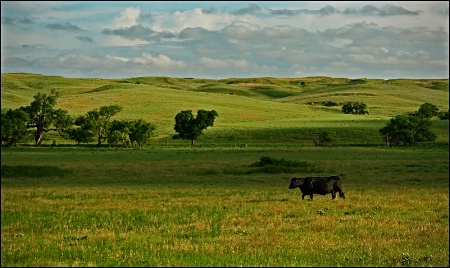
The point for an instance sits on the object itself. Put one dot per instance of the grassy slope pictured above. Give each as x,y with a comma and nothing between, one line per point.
245,106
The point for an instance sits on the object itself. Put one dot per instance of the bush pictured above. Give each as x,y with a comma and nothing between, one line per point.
270,165
330,103
443,115
32,171
267,160
355,108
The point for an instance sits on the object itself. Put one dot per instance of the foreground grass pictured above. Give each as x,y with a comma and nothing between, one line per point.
210,207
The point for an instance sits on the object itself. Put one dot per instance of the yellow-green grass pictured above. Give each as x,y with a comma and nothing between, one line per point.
201,207
242,104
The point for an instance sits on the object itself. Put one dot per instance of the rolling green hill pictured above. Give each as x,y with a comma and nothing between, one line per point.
250,109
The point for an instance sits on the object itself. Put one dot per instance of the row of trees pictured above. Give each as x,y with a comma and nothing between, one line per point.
41,116
96,125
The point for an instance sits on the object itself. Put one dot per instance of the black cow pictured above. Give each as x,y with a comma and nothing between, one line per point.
318,185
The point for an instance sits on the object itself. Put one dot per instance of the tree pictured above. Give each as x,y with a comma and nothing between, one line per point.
43,115
324,139
130,131
62,121
443,115
81,133
141,132
407,130
118,132
14,126
428,110
97,121
190,127
355,108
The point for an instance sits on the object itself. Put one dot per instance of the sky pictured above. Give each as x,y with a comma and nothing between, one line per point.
226,39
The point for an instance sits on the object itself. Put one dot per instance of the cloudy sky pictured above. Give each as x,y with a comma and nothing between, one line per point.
208,39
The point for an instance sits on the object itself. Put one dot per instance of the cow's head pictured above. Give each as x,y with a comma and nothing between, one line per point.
296,182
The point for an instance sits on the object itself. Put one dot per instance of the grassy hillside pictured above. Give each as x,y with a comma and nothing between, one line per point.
250,109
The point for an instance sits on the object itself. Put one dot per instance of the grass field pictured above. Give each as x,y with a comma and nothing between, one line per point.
172,204
208,207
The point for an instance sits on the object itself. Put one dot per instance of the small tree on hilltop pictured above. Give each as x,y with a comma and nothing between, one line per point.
355,108
190,127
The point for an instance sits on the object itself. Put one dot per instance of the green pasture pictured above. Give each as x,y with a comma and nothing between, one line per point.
245,106
208,206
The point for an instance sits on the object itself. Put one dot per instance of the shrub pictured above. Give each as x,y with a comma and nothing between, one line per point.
443,115
355,108
32,171
330,103
270,165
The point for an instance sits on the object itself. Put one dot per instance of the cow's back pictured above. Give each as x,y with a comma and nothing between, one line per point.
317,185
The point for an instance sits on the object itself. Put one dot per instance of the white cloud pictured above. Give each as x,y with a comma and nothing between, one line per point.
127,18
222,64
79,61
122,59
122,42
180,20
160,61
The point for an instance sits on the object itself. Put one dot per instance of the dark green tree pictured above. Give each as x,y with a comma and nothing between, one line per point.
126,132
62,121
355,108
407,130
443,115
141,132
80,135
14,126
360,108
428,110
190,127
98,120
119,132
44,117
80,131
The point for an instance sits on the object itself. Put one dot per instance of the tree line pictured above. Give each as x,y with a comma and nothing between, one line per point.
41,116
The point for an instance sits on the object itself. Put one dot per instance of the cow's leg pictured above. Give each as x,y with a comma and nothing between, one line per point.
341,194
303,196
333,195
311,196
